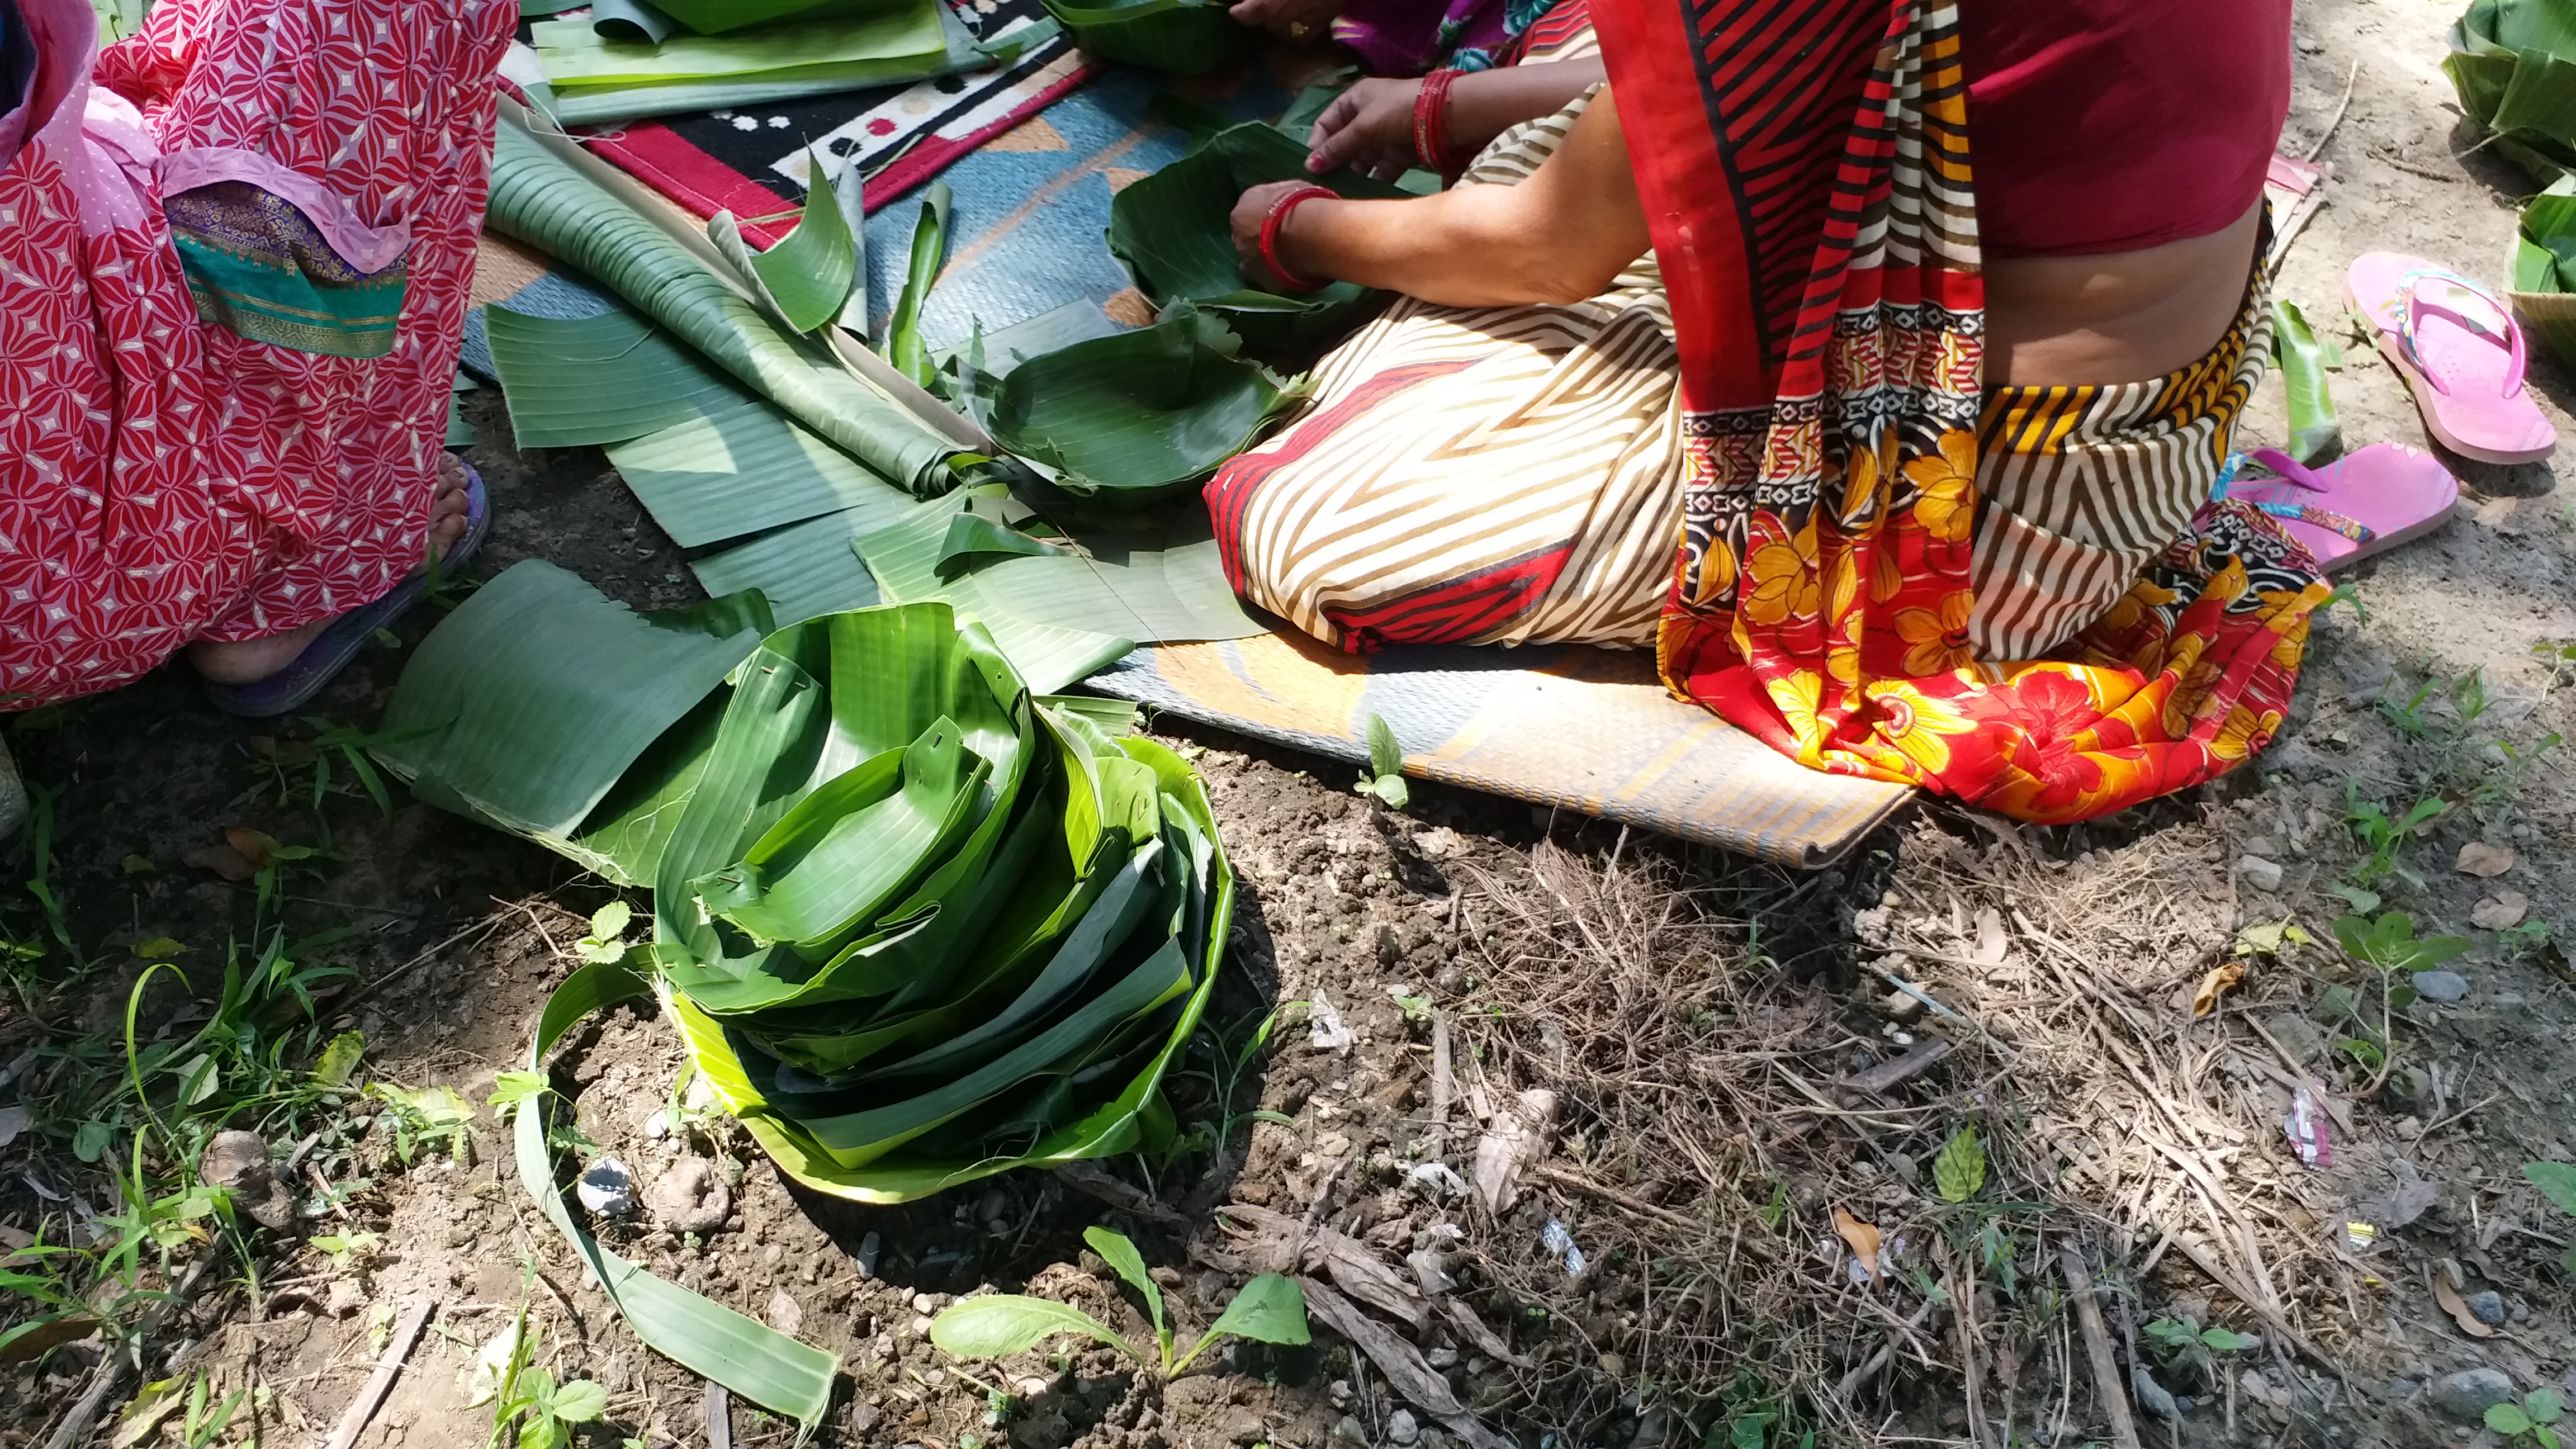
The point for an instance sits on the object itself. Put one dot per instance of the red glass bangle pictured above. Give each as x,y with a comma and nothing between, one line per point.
1431,122
1270,236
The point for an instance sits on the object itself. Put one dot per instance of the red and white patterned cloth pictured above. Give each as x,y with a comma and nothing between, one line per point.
162,479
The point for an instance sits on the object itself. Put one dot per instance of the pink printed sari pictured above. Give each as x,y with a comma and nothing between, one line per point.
166,476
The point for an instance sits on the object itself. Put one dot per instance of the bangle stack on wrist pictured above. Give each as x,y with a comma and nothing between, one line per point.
1277,218
1431,123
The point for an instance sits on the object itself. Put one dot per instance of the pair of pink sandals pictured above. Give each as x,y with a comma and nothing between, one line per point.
2458,348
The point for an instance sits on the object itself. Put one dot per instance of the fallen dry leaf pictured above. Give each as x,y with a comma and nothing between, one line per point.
2485,861
2456,1306
259,849
1861,1238
2205,1000
2500,912
223,860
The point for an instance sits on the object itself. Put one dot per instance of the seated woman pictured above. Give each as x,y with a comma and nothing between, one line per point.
233,274
1908,474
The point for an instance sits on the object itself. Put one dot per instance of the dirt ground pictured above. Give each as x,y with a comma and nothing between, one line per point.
1744,1125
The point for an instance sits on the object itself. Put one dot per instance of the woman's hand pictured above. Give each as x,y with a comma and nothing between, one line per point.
1298,20
1250,211
1368,128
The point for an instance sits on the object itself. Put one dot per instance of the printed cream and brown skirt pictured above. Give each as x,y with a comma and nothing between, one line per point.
1513,475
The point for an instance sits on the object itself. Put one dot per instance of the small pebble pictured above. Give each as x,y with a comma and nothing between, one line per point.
924,1303
2467,1395
2441,985
2488,1308
1402,1427
2263,875
869,1248
607,1188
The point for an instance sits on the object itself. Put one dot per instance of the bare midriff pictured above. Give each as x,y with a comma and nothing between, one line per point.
2120,317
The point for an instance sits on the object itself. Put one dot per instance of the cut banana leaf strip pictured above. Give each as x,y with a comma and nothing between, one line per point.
2304,360
1172,230
890,35
632,22
972,537
545,200
600,379
1142,415
708,1339
806,279
929,246
714,17
740,467
1178,36
1143,582
806,570
489,720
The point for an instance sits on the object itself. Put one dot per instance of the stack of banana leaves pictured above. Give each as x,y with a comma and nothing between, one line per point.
631,58
916,924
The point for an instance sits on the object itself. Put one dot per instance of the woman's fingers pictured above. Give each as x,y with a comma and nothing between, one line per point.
1334,136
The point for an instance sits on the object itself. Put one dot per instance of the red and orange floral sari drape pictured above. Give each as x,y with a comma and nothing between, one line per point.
1805,170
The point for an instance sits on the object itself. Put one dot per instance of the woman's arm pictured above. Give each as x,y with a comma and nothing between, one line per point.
1370,126
1561,236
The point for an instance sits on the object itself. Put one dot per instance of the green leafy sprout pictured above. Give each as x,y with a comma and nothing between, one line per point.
2536,1417
1270,1309
2557,1182
1384,781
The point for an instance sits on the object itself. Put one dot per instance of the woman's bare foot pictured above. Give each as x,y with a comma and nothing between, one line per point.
447,507
248,661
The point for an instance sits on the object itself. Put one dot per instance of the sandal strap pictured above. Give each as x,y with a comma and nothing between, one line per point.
2287,469
2416,307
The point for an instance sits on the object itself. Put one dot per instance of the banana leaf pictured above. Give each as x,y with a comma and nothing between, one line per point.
2304,360
742,468
632,21
1141,415
805,280
751,1359
1150,581
914,926
2513,63
714,17
543,199
929,246
1184,37
885,38
2543,289
600,379
544,762
805,570
593,105
1172,231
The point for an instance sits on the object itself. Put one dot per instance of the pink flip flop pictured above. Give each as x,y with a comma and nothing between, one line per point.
2458,347
2363,503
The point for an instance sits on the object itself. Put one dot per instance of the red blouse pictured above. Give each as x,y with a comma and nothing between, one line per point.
2117,125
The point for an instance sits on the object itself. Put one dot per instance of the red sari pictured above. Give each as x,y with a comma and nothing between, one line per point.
1804,166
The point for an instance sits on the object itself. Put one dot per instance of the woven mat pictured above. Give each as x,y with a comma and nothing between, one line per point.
1572,727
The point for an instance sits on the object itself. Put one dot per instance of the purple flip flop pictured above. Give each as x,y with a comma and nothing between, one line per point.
340,641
